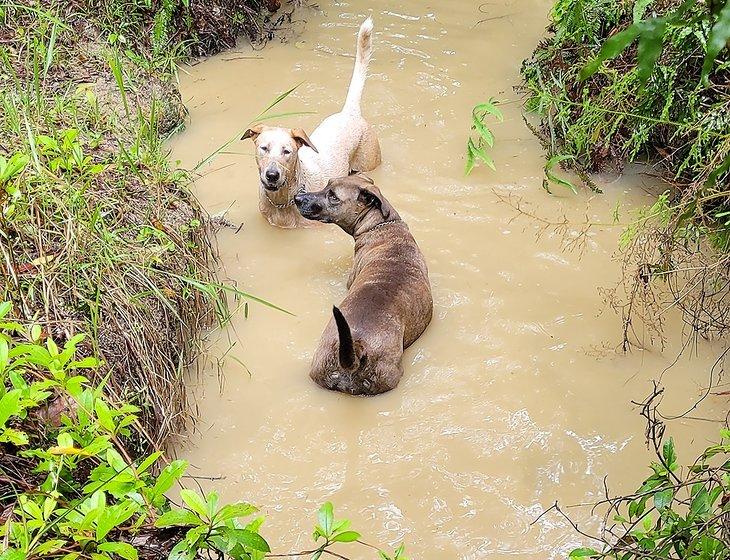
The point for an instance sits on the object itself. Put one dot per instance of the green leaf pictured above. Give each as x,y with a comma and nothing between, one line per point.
12,554
148,462
346,536
650,46
123,550
231,511
611,48
326,517
9,405
211,501
550,177
316,555
178,518
182,551
700,505
584,552
195,502
670,455
169,475
104,415
716,41
491,108
663,499
247,539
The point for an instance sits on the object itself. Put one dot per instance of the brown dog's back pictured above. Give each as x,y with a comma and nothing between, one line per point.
388,307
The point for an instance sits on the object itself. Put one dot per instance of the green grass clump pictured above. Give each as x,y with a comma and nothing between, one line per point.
97,233
644,81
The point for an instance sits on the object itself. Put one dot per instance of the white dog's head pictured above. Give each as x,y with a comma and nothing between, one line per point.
277,151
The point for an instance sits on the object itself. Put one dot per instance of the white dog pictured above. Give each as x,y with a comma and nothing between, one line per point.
290,163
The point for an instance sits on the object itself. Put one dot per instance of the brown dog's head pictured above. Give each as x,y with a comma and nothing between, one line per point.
277,152
354,203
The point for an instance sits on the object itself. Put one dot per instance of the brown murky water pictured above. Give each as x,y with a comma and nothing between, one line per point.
516,396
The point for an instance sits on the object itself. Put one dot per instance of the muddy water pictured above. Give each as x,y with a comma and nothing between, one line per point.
516,396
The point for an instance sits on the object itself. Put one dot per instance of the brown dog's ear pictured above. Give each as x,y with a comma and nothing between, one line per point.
301,138
371,196
253,132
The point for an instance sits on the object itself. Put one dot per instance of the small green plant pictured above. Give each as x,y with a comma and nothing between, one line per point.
476,144
210,527
551,177
675,513
84,496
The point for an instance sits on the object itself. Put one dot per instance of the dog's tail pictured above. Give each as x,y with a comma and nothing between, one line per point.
347,356
359,73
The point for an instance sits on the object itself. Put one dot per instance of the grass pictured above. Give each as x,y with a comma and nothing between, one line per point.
93,221
98,234
601,101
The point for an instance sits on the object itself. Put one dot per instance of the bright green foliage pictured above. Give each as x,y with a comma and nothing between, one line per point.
476,145
676,513
86,497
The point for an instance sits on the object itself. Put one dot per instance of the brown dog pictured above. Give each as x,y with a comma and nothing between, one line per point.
389,304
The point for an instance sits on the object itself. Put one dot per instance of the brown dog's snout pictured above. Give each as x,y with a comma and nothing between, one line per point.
308,205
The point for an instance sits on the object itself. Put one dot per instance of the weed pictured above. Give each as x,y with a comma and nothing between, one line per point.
603,101
476,147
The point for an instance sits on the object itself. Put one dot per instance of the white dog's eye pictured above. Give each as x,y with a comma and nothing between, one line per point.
264,148
286,151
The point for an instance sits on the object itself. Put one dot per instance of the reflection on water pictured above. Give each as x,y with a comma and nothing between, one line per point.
516,396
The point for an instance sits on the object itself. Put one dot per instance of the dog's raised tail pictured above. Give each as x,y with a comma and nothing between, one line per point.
360,72
347,355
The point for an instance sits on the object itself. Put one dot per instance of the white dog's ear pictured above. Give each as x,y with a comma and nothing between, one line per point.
253,132
301,138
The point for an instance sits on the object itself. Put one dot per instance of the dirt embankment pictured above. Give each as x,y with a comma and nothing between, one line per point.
98,233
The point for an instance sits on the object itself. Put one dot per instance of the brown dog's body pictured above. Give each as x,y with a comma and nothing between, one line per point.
389,303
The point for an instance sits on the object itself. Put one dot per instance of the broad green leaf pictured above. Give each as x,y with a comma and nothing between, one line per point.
670,455
195,502
650,46
700,505
123,550
148,462
611,48
169,475
248,539
716,41
211,501
178,518
663,499
49,547
13,554
9,405
104,415
236,510
326,517
346,536
584,552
